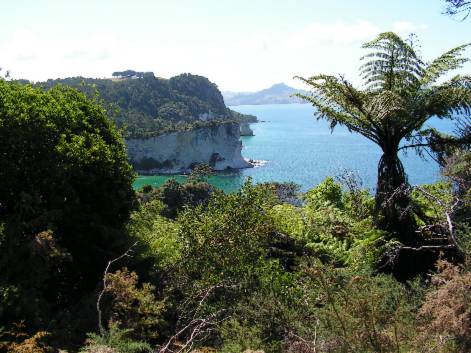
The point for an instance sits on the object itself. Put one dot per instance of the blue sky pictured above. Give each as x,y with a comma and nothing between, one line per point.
240,45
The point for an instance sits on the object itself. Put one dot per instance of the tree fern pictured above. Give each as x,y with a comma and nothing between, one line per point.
400,93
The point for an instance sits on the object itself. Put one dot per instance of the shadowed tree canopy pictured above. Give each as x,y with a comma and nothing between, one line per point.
400,93
65,194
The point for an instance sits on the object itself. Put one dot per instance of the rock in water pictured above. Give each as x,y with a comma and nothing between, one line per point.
245,129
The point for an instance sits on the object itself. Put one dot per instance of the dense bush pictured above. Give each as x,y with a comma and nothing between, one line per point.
65,196
273,271
264,269
217,246
175,196
335,225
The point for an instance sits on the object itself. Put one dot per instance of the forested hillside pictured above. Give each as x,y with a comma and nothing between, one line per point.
144,105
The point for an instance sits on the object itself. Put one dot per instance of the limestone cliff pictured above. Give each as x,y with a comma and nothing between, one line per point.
219,146
245,129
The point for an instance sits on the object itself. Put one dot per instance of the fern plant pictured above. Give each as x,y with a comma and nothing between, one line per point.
400,93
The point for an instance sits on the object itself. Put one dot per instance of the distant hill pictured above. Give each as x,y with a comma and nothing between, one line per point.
150,106
276,94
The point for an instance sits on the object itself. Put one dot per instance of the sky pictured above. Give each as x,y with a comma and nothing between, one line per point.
241,45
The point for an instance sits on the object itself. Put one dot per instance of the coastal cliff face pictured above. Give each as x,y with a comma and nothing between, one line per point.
219,146
245,129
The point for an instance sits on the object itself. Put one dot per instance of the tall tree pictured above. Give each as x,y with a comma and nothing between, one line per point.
400,93
65,195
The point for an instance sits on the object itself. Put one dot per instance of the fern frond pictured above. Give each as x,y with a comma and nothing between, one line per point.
451,60
393,64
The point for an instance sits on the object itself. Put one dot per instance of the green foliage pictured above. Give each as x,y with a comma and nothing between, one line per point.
271,275
326,193
361,313
68,141
156,235
200,173
144,105
225,242
260,269
175,196
458,171
331,225
432,210
65,191
326,309
281,193
115,340
240,337
289,219
261,319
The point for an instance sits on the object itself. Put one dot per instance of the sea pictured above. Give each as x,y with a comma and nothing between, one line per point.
293,146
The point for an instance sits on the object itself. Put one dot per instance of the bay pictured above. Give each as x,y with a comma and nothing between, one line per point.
298,148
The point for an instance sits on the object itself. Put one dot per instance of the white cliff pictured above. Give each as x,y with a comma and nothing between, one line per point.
219,146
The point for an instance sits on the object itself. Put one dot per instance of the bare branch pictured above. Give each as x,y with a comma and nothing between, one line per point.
103,291
448,212
196,328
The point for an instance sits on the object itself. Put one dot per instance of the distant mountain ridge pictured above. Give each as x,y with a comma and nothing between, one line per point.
276,94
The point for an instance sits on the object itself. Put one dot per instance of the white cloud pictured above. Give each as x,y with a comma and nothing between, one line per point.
338,33
405,27
248,63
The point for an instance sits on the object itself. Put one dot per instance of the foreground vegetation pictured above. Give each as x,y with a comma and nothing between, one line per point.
250,270
89,265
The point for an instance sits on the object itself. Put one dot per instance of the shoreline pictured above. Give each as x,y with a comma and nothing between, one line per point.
254,163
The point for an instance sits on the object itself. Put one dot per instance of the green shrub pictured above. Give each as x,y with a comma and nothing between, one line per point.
355,312
240,337
226,241
133,308
156,235
337,226
115,340
65,196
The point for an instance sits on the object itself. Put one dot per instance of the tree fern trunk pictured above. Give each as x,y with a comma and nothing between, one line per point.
393,203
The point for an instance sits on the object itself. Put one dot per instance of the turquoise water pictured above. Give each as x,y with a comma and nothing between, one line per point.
298,148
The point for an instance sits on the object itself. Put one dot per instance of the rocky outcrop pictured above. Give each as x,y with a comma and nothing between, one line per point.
219,146
245,129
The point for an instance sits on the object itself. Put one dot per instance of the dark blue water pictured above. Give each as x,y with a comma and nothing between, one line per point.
301,149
